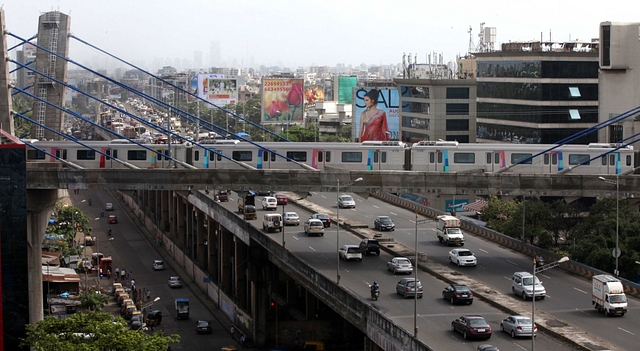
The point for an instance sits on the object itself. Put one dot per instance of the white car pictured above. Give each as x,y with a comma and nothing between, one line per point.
350,252
462,257
158,265
291,218
346,201
314,226
269,203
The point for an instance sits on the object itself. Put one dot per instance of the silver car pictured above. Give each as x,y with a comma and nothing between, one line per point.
291,218
407,288
400,265
518,326
346,201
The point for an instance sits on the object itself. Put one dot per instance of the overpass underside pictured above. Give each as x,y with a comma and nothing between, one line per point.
263,289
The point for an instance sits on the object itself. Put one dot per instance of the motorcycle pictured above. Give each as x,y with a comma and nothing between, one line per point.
375,293
89,201
539,262
102,213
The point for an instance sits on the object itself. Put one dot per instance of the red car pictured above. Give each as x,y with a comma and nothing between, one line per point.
472,327
282,200
112,219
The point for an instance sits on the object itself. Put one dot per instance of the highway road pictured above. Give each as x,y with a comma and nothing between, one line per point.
568,296
131,250
434,314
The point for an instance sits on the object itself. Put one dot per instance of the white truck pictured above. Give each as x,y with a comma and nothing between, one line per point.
608,295
448,230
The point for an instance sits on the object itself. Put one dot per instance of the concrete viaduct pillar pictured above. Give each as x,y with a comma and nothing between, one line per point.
6,120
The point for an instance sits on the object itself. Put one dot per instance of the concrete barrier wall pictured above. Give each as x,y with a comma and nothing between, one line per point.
470,226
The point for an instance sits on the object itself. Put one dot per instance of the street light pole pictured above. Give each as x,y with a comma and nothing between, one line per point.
415,276
533,294
338,225
283,224
616,253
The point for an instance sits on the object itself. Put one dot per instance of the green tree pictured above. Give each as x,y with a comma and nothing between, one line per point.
24,106
70,220
93,331
498,213
93,301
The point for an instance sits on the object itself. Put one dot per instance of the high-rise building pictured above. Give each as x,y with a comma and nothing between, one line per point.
215,57
197,59
533,92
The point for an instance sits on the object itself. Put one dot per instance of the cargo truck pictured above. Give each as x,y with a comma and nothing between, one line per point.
608,295
448,230
182,308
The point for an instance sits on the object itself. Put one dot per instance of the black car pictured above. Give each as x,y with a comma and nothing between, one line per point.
263,192
223,195
326,221
458,294
384,223
203,327
370,246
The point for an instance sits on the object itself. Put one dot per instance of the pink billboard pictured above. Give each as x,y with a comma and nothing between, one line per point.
282,100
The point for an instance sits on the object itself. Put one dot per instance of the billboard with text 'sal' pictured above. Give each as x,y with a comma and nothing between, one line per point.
217,89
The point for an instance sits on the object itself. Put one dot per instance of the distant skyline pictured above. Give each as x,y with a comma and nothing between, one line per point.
293,34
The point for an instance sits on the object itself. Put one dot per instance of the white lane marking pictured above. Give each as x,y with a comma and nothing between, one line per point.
582,291
485,251
513,263
395,214
626,331
312,249
295,237
376,206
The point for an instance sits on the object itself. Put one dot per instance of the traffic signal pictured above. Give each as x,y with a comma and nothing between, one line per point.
273,303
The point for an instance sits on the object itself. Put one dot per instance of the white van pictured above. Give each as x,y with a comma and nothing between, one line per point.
269,203
272,222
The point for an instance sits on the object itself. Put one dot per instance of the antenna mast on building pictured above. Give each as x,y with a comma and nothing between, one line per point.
472,47
481,47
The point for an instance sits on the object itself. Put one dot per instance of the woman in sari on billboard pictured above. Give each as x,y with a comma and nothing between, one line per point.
373,122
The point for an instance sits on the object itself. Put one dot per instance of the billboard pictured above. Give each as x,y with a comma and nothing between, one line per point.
345,89
376,114
282,100
217,89
312,94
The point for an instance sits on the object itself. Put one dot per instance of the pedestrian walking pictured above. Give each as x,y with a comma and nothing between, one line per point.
242,339
123,274
148,295
117,274
108,274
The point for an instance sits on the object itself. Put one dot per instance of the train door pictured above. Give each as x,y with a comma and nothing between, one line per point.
493,160
550,163
611,163
379,160
434,161
266,159
59,153
107,161
319,157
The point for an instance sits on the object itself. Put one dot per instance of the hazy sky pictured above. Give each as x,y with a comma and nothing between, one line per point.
295,33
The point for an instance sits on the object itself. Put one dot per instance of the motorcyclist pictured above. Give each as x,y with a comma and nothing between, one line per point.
539,260
89,201
109,231
102,212
375,287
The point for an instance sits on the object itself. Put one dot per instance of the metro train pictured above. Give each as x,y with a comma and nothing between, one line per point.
430,156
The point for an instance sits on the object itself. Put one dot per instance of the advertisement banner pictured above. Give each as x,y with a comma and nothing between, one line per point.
312,94
345,89
218,90
376,114
282,100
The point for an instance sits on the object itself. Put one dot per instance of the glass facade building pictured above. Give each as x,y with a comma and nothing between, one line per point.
537,97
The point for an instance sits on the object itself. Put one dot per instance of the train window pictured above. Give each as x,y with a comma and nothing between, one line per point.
384,157
497,158
375,157
85,155
554,159
137,155
273,156
489,158
327,156
432,157
464,157
546,159
196,156
320,156
300,156
603,160
520,158
576,159
612,160
159,155
352,157
35,155
242,155
628,160
439,157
